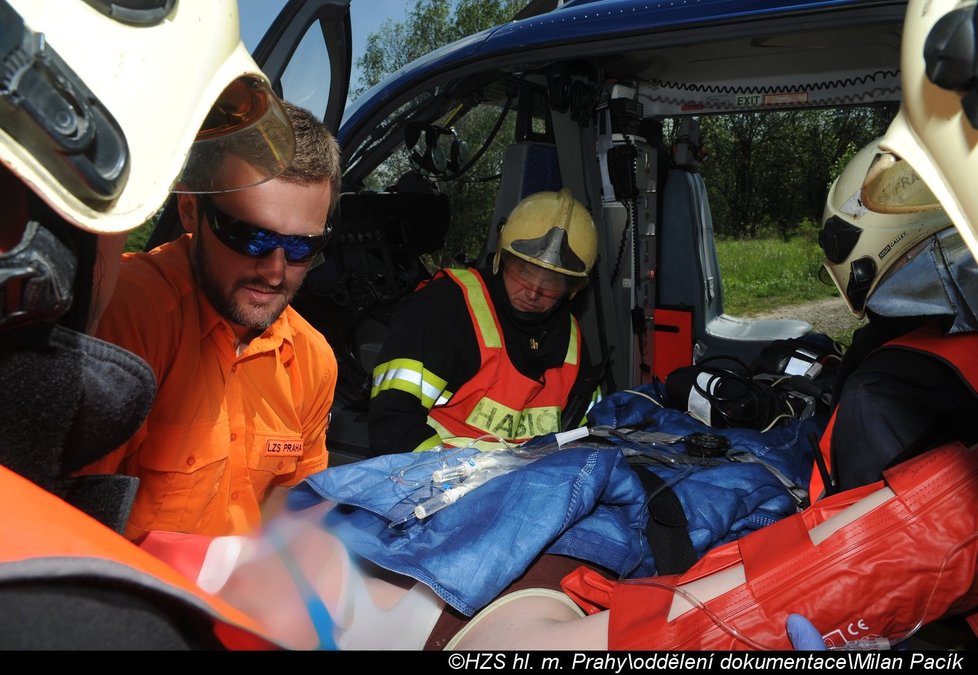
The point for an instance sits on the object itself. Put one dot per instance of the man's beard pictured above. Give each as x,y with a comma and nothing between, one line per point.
256,318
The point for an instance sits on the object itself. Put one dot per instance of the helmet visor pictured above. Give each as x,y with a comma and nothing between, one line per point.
547,282
245,140
892,186
551,250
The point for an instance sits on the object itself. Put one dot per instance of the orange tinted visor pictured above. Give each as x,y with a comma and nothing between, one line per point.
245,140
892,186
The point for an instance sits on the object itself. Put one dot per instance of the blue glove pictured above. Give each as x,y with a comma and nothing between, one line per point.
803,635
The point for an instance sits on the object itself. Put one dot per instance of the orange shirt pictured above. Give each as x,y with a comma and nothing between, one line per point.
225,428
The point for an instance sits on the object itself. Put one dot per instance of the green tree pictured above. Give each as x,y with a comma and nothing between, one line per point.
432,24
766,173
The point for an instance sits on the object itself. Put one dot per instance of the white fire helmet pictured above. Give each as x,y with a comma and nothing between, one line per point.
860,245
935,134
101,104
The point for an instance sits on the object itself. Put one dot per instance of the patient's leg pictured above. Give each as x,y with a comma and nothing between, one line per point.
544,621
728,579
534,621
535,617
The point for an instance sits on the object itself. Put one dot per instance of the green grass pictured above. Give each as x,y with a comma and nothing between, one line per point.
761,274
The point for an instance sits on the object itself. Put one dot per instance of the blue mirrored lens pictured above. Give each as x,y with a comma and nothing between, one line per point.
257,242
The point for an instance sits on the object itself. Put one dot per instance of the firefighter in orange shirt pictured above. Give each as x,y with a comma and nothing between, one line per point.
245,384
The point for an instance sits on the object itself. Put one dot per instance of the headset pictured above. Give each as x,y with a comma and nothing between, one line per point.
434,159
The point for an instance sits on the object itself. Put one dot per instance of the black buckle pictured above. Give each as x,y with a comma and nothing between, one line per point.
36,278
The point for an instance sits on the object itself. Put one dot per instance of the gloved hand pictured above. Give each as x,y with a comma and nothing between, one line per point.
803,634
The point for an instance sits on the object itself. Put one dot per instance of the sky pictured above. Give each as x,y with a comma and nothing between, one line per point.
366,16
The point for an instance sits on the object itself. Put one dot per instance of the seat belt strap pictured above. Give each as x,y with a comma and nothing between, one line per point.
667,530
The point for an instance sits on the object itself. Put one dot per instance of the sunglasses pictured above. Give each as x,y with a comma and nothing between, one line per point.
257,242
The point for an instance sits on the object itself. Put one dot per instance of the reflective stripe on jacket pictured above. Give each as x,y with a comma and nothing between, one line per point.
500,401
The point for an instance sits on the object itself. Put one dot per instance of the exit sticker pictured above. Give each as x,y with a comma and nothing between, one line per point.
779,99
786,98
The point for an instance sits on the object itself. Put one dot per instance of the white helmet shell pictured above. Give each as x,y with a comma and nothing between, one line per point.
932,132
861,245
155,83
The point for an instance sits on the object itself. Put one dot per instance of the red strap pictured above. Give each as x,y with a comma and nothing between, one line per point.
759,556
586,587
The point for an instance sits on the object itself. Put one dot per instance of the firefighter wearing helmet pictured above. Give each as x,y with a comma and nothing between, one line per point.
551,230
923,166
907,383
104,108
894,256
494,355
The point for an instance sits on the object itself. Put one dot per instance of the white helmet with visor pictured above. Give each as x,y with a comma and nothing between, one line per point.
935,133
860,245
101,104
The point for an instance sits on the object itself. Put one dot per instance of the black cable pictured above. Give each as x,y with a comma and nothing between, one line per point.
602,332
765,399
638,314
621,251
492,134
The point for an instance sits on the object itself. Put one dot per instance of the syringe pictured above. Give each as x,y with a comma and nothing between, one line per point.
496,463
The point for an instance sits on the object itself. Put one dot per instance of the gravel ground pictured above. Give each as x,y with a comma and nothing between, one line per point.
830,316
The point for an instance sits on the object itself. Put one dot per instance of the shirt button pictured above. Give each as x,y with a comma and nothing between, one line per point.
190,461
234,436
234,496
281,464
